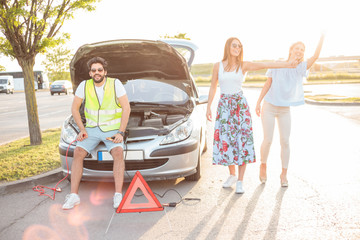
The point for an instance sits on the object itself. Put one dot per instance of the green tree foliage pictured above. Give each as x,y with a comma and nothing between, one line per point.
178,36
2,69
30,27
57,64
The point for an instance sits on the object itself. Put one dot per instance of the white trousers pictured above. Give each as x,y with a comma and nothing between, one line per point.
269,113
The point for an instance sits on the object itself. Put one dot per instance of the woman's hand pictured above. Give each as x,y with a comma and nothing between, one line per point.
258,109
208,114
295,62
82,135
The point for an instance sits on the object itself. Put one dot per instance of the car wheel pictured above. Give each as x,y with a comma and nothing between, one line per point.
52,94
58,93
205,144
196,176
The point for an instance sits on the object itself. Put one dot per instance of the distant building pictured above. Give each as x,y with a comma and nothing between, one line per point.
41,80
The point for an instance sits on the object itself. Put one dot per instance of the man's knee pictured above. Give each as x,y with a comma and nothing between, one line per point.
117,152
80,153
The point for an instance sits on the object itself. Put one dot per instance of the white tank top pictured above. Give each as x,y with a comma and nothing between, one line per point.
230,82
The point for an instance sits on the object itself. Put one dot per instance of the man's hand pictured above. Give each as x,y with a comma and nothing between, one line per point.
117,138
82,135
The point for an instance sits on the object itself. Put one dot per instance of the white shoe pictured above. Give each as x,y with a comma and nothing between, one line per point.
117,199
71,200
230,181
239,187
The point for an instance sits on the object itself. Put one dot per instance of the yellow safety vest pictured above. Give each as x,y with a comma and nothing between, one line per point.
107,116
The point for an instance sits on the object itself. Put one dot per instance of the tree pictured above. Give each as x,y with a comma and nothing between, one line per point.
178,36
30,27
2,69
57,64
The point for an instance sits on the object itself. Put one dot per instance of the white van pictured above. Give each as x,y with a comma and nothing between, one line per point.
7,84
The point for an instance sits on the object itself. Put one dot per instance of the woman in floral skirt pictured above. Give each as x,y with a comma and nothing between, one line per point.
233,137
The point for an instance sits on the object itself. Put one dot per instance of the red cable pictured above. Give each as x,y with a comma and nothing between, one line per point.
40,188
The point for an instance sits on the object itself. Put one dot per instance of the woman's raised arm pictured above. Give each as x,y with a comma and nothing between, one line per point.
312,60
253,66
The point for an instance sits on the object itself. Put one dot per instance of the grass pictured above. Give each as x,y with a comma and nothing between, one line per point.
19,160
333,98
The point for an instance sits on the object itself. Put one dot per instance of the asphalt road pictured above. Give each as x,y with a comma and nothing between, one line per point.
321,202
347,90
52,111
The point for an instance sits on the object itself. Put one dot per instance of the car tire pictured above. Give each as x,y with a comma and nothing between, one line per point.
196,176
58,93
52,94
205,145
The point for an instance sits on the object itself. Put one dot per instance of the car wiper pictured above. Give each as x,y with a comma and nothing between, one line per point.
158,104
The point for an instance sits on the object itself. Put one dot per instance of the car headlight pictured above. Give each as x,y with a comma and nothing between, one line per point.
180,133
68,133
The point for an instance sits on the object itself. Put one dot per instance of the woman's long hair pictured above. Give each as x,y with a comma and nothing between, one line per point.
239,59
292,46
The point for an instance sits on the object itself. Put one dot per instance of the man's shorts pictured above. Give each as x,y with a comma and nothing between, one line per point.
95,136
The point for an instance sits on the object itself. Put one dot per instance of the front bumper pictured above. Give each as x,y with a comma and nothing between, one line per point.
159,163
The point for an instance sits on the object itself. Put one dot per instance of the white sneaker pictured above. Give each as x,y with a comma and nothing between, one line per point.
71,200
239,187
117,199
230,181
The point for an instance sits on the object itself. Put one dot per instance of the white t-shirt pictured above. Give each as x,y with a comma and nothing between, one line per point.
119,90
287,86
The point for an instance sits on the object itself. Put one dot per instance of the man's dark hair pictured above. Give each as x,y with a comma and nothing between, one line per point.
100,60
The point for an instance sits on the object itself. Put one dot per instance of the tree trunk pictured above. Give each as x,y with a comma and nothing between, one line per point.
27,66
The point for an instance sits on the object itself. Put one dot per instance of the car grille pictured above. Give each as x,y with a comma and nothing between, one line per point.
129,165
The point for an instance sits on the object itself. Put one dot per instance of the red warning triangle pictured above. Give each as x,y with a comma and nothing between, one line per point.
126,205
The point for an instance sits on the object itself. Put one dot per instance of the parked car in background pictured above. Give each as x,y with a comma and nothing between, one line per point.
7,84
61,86
166,133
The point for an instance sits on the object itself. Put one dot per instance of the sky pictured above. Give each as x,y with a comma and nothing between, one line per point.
266,28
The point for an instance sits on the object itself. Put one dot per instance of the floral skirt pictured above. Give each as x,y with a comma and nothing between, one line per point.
233,136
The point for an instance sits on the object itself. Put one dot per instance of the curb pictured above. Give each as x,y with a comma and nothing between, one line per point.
30,182
308,101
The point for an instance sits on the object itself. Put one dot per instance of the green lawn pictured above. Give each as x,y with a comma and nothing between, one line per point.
19,160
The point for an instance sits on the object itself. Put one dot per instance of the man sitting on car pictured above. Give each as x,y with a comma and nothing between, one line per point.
107,112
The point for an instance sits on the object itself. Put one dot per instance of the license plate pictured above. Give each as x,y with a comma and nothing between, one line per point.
128,156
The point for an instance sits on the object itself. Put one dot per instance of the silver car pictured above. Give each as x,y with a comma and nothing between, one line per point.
166,133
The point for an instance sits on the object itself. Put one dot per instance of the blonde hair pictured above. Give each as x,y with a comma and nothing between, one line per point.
292,47
239,59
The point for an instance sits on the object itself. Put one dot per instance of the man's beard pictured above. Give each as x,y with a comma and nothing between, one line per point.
98,81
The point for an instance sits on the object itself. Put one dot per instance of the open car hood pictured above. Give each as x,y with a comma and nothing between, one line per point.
133,59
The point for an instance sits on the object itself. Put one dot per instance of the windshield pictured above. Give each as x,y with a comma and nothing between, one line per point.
3,81
59,83
147,90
